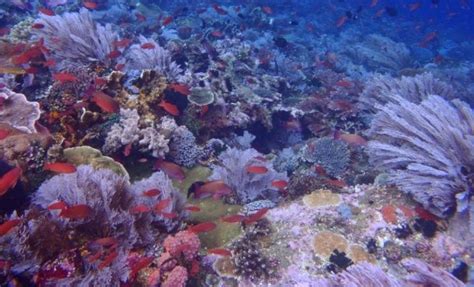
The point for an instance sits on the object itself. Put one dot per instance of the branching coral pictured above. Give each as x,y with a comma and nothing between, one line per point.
183,147
428,149
247,186
381,88
76,37
332,155
17,111
155,58
148,136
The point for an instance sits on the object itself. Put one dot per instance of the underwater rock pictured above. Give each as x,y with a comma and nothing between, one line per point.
322,198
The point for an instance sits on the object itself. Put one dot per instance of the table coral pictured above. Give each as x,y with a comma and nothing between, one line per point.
17,111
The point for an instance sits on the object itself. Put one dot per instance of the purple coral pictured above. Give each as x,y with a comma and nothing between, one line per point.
427,148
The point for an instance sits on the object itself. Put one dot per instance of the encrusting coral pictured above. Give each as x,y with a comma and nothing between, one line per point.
428,150
17,111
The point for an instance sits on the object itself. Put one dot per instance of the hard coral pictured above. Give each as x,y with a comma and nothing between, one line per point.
427,148
184,242
17,111
177,277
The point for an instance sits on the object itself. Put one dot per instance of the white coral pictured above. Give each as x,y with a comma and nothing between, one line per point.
17,111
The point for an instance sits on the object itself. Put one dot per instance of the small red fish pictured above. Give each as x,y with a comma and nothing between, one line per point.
140,17
267,10
94,257
414,6
192,208
167,20
180,88
162,204
374,3
257,169
57,205
90,5
233,218
219,9
108,260
256,216
217,34
202,227
105,102
119,66
169,108
173,170
341,21
123,43
169,215
46,11
106,241
127,149
344,84
80,211
32,70
49,63
37,26
139,265
114,54
4,134
9,180
141,208
428,38
351,139
219,251
59,167
338,183
8,225
148,46
216,188
379,13
100,81
319,169
152,192
280,184
64,77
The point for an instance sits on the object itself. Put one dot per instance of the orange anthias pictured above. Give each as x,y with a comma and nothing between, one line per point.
105,102
60,167
202,227
80,211
172,170
8,225
9,180
169,108
219,251
257,169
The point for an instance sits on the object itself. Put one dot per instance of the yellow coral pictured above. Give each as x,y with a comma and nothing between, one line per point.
322,198
325,242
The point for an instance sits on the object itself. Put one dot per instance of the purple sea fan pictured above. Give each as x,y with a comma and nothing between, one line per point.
423,274
247,186
76,38
154,58
427,148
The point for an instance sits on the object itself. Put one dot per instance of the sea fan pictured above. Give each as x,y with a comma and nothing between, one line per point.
247,186
76,37
427,148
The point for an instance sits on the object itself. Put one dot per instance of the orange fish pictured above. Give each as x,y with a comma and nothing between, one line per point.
9,180
267,10
257,169
256,216
148,46
219,251
167,20
344,84
108,260
320,170
202,227
180,88
217,34
351,139
106,241
162,204
139,265
37,26
127,149
173,170
338,183
57,205
49,63
114,54
64,77
374,3
280,184
216,188
46,11
79,211
90,5
169,215
100,81
152,192
192,208
233,218
123,43
4,134
219,9
414,6
341,21
105,102
428,38
141,208
169,108
379,13
8,225
59,167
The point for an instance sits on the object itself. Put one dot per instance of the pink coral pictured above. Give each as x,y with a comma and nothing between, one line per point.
177,277
184,241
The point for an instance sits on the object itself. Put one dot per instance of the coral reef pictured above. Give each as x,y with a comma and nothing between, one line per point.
17,111
332,155
427,149
76,37
183,147
246,186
